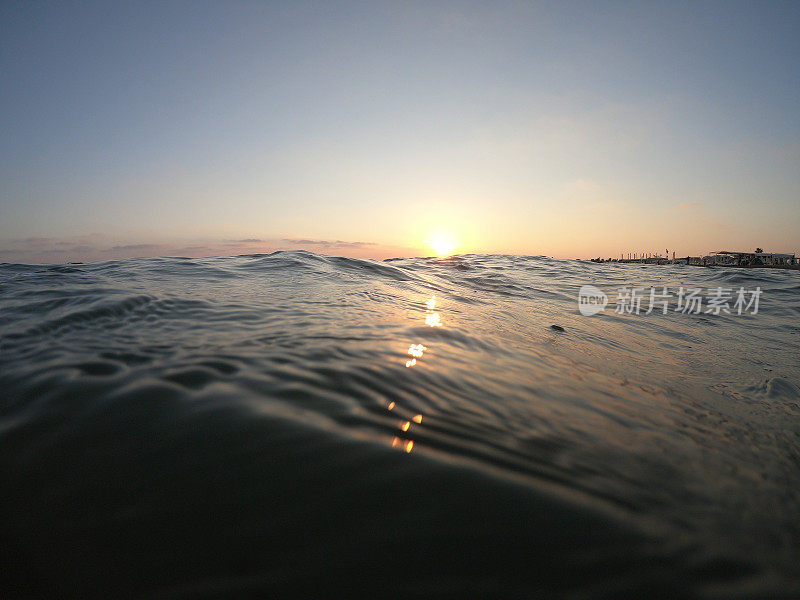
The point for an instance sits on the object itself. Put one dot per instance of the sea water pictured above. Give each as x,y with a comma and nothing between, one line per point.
298,425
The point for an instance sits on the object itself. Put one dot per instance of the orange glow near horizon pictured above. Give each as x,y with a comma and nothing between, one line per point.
443,243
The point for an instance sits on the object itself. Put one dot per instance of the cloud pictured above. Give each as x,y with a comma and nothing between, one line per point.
292,242
90,249
34,240
194,249
327,243
341,244
137,247
62,250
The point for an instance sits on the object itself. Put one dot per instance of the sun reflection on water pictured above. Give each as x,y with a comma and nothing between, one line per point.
415,351
433,320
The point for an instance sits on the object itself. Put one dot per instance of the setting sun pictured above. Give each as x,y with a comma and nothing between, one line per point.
443,244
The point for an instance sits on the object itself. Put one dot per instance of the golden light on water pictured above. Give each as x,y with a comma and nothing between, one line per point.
432,319
415,351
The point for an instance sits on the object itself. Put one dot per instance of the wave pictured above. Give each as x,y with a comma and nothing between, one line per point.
315,418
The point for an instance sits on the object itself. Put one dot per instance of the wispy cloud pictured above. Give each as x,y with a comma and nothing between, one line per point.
82,249
327,243
33,240
137,247
87,248
195,250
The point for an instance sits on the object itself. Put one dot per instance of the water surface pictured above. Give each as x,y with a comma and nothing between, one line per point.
295,424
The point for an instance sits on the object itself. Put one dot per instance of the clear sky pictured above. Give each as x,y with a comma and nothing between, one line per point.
572,129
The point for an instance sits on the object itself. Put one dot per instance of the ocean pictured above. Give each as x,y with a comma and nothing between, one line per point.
300,425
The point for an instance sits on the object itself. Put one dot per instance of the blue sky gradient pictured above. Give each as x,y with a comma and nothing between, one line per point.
567,129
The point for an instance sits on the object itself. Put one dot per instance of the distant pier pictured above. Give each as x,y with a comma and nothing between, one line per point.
719,258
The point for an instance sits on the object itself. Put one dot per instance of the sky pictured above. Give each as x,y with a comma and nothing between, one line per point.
378,129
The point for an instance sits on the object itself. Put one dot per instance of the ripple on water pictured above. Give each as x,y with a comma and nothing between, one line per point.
290,422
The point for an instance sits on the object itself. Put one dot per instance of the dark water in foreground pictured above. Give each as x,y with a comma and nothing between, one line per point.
221,428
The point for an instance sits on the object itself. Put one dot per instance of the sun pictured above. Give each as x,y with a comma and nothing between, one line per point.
442,243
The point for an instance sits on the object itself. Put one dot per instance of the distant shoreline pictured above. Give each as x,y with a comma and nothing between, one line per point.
662,264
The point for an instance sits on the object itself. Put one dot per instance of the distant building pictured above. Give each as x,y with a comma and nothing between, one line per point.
729,258
720,258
